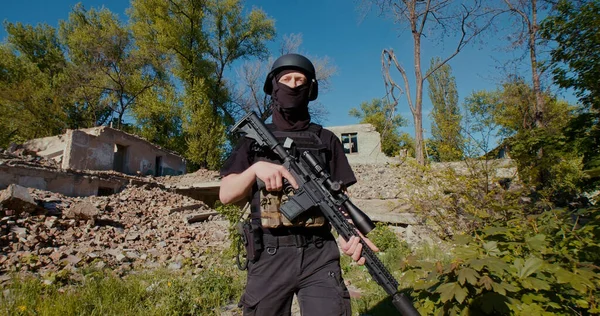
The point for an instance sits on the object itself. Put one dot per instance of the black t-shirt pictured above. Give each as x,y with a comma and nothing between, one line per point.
339,168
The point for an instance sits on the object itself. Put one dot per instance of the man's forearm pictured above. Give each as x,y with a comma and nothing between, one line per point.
236,186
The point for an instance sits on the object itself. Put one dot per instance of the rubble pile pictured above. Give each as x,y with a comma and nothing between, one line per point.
189,179
401,181
143,227
378,181
15,155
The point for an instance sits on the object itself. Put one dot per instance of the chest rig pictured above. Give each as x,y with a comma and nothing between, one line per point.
265,204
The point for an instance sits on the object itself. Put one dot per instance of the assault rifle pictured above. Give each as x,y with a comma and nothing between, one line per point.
315,188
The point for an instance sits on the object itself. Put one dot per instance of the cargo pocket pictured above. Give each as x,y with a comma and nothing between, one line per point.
249,304
329,298
343,293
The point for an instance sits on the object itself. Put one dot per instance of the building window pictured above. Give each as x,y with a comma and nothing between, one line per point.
158,169
350,143
103,191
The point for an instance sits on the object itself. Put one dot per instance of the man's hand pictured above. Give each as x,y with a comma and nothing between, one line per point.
353,247
272,175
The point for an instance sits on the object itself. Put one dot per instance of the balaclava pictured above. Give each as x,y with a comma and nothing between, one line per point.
290,105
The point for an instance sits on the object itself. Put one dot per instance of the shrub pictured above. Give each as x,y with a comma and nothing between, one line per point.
545,264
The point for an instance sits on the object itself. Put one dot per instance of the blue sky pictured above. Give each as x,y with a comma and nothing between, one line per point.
332,28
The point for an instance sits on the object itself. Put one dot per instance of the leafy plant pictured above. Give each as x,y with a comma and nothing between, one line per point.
384,237
545,264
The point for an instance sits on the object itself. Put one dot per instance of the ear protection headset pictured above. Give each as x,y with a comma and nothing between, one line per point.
297,62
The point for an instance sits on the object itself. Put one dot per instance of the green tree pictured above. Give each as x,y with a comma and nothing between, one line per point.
159,118
233,37
446,118
199,40
575,59
30,103
481,132
524,17
381,115
507,114
481,128
109,71
575,64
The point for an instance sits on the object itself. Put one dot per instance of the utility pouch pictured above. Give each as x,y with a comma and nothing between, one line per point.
272,217
251,238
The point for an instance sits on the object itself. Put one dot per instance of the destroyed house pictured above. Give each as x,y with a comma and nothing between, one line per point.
361,142
104,148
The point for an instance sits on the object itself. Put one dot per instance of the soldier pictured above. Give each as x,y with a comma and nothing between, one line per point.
299,257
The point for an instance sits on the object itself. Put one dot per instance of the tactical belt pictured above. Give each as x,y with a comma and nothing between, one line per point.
291,237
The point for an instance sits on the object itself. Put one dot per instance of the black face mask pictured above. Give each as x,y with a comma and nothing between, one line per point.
290,106
290,98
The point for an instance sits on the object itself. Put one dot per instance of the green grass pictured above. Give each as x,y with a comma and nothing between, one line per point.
184,292
159,292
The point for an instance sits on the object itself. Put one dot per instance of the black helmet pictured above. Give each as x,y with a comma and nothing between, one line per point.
297,62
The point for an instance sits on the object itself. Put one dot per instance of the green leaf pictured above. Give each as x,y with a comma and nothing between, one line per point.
563,276
535,284
476,264
462,239
498,288
509,287
530,266
554,305
466,253
587,274
469,275
411,276
580,283
446,291
452,290
491,247
487,282
537,242
582,303
532,297
460,293
495,231
496,265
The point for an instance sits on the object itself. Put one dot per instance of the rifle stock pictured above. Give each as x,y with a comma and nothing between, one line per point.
317,189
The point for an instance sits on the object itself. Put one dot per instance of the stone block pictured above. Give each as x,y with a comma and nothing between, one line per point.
17,199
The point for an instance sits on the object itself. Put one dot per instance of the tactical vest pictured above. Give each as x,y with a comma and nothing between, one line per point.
265,205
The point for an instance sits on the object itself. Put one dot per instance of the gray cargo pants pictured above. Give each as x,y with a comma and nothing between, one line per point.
308,267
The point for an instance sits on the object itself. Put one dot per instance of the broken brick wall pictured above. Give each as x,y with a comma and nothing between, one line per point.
69,184
109,149
84,151
51,147
368,149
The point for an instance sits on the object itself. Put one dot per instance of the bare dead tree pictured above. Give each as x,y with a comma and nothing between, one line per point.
290,43
526,33
249,95
445,18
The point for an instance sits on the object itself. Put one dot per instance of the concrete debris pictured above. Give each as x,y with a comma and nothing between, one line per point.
194,218
135,228
194,206
189,179
16,200
83,210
